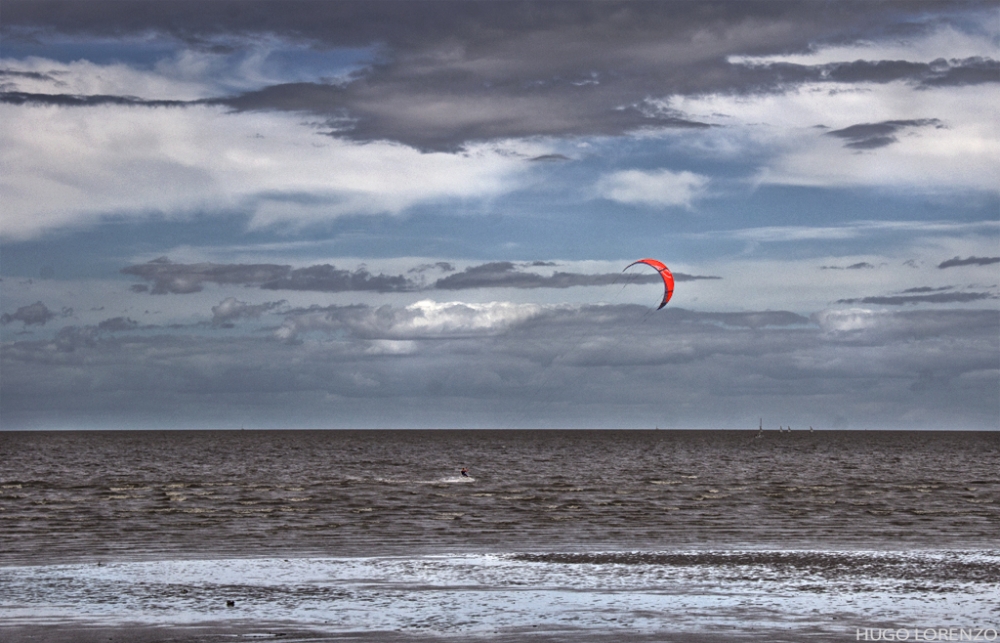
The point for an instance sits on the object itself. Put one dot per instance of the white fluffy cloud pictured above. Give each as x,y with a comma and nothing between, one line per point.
73,166
851,319
449,317
422,319
958,147
959,151
657,188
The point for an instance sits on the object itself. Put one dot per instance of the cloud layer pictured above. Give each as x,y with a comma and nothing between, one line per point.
507,365
178,278
454,96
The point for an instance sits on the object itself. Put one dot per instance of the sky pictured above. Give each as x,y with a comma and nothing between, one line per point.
420,214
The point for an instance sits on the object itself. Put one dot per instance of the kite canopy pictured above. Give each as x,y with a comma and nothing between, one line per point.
668,277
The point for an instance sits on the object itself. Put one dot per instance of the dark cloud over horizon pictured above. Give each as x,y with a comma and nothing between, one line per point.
861,265
93,100
118,324
504,274
177,278
869,136
358,366
969,261
327,278
936,298
36,313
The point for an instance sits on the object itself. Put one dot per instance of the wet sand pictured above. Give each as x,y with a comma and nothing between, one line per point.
289,633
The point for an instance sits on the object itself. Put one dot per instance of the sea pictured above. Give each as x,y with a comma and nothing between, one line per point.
206,536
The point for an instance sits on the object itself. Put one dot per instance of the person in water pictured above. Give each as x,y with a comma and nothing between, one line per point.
465,472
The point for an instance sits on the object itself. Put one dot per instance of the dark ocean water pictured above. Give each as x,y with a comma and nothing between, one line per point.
71,496
556,536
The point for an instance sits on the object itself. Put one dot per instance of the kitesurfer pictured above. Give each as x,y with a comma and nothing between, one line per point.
465,472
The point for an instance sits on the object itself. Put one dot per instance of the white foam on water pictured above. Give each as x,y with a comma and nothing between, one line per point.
482,594
434,481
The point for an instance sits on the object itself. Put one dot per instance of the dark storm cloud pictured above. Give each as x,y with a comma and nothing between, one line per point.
118,324
76,100
447,73
861,265
443,266
451,111
867,136
593,366
971,71
36,313
11,74
504,274
179,278
327,278
928,289
874,71
941,72
936,298
779,77
969,261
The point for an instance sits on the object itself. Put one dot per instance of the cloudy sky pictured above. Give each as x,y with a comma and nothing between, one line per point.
417,214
